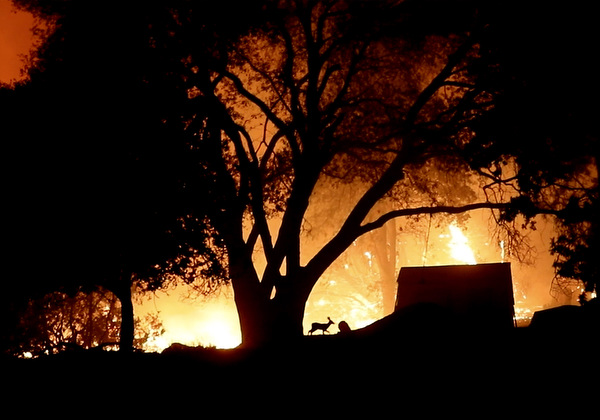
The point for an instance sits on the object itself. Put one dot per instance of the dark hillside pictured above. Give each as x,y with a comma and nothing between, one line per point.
383,367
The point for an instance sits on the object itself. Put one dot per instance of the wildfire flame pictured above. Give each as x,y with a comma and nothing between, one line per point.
459,246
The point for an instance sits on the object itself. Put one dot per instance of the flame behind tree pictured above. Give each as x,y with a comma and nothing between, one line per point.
459,246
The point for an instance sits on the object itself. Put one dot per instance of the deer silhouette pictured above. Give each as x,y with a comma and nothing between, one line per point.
323,327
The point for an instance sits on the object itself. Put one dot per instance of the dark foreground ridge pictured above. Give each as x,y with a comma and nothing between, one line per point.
384,367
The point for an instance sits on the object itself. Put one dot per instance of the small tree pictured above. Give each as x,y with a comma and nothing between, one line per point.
59,322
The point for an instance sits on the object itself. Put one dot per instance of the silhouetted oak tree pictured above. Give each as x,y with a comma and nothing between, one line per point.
347,90
370,91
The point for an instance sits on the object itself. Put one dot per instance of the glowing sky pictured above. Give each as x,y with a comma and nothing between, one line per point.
15,40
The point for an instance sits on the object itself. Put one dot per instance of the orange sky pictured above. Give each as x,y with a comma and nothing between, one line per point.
15,40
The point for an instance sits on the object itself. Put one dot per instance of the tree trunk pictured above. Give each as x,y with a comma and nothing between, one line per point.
250,300
265,321
287,313
384,245
127,325
127,332
279,322
252,315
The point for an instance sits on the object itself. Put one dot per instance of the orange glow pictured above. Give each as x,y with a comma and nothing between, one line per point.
208,322
16,40
219,332
351,290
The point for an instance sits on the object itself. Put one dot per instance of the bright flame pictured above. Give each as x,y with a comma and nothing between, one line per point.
219,333
209,322
459,246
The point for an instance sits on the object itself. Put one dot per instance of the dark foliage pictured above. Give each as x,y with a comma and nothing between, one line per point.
544,122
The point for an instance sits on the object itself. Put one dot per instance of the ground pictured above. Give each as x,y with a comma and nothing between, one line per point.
383,370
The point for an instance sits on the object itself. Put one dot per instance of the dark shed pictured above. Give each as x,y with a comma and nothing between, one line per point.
478,295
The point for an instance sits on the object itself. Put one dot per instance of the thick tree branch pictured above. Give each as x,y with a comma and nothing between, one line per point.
347,234
251,185
428,210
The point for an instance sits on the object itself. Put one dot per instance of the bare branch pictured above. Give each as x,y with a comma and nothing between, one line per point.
239,85
269,78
